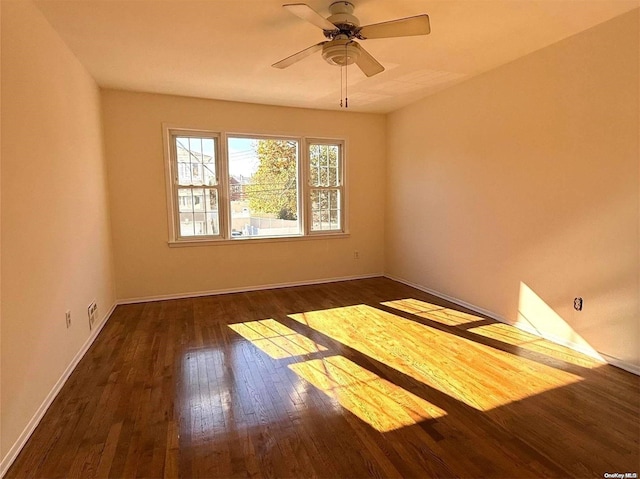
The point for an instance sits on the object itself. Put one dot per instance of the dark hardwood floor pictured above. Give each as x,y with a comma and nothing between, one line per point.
365,378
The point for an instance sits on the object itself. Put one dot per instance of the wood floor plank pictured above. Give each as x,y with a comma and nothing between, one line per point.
366,378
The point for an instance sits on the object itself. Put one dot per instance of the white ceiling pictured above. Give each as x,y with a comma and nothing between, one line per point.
224,49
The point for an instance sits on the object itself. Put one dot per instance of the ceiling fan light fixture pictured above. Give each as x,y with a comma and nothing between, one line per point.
340,52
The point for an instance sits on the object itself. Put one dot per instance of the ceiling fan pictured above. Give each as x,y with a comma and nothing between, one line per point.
342,29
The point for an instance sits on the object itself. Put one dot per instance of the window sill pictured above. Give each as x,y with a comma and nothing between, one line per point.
249,240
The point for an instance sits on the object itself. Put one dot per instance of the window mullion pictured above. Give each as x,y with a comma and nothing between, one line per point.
303,199
224,195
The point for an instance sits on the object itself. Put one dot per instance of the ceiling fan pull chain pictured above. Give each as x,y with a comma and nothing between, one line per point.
341,86
346,96
346,77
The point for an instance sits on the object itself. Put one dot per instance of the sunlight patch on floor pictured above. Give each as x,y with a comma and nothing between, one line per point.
450,317
410,305
275,339
380,403
511,335
479,375
434,312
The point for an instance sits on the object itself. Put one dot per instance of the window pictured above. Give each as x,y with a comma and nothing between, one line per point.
325,186
195,186
263,184
243,187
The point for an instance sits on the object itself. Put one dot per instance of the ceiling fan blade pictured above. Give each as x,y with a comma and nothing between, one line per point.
403,27
296,57
307,13
367,63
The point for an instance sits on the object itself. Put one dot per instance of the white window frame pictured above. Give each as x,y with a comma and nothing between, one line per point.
341,186
224,193
172,176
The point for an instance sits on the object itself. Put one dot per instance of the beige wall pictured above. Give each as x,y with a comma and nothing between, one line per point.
523,182
55,227
145,265
515,191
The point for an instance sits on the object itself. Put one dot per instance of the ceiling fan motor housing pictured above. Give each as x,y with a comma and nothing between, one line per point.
340,52
342,17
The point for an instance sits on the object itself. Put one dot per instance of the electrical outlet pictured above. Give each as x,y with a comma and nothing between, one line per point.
356,255
577,304
67,317
91,313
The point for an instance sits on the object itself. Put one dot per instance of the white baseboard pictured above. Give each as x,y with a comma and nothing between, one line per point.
581,348
619,363
245,289
451,299
12,454
555,339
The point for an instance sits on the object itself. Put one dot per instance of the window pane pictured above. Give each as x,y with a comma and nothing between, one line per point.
183,158
325,210
198,200
195,146
196,174
213,223
186,224
323,165
315,221
185,200
211,208
196,161
334,218
333,199
211,200
263,187
198,209
314,163
209,174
